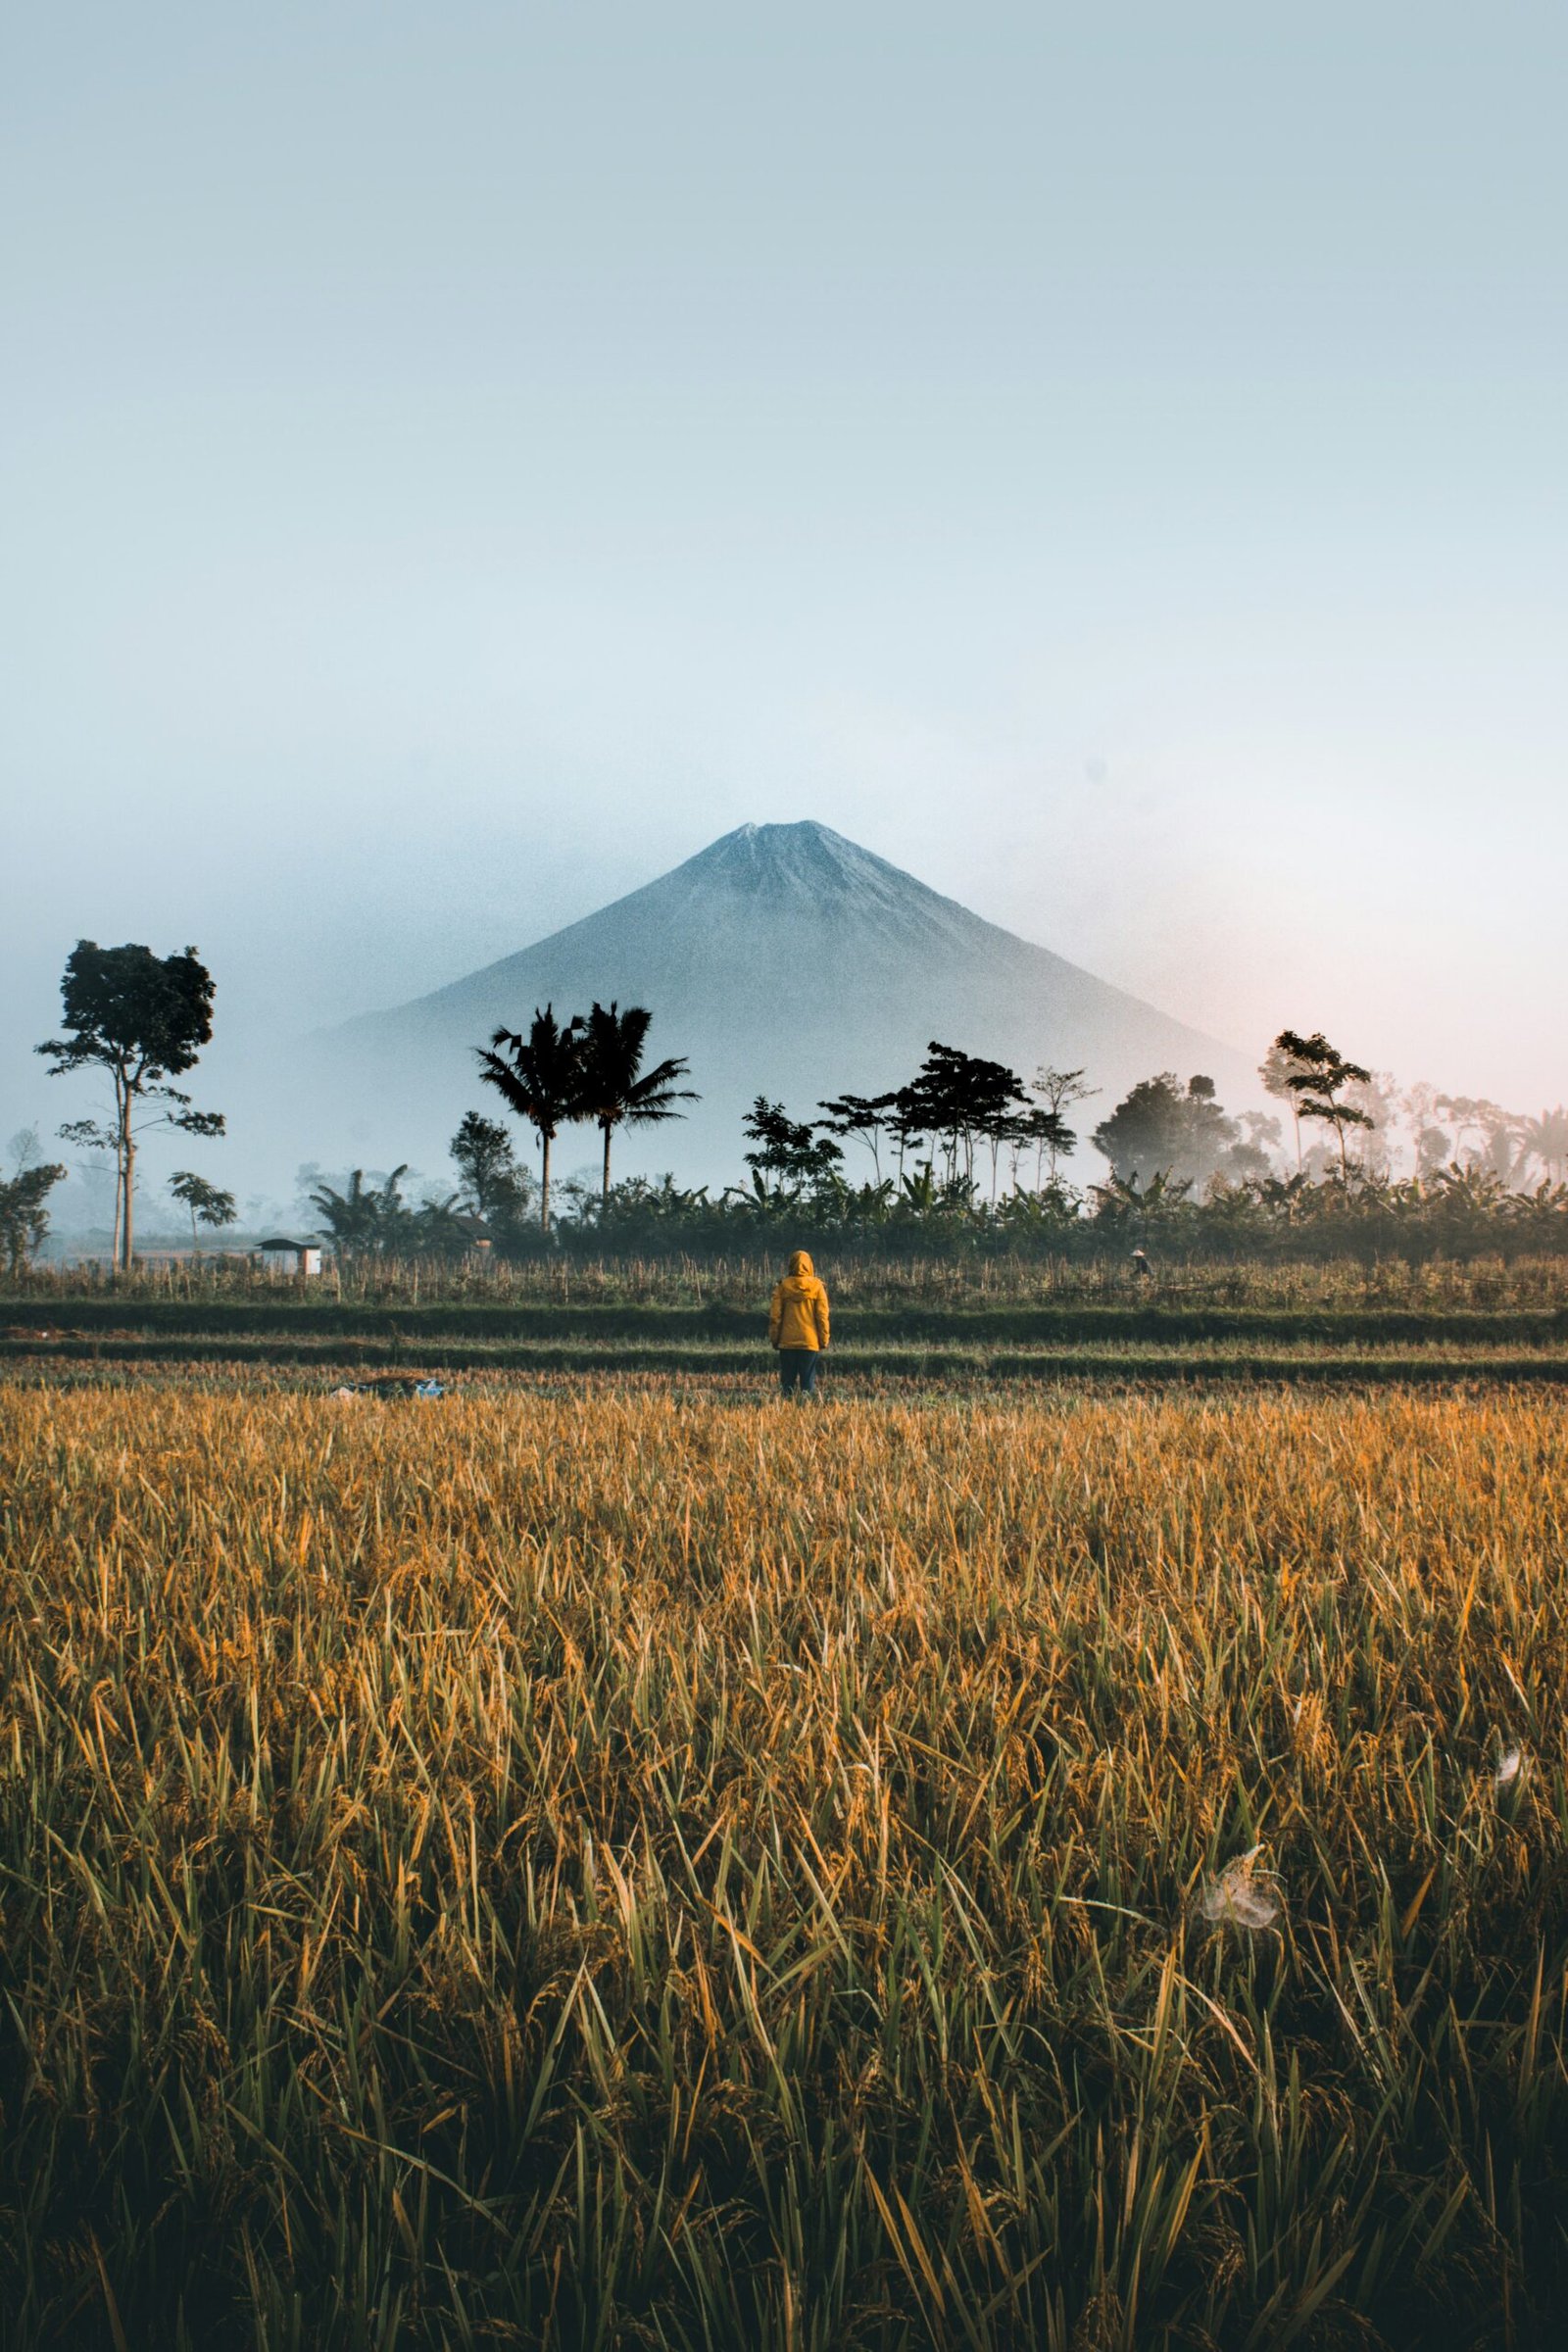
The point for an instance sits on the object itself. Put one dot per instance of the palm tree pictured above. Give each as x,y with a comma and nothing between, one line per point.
368,1216
1545,1140
613,1089
541,1083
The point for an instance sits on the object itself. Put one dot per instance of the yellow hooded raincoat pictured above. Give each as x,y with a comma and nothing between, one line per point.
799,1315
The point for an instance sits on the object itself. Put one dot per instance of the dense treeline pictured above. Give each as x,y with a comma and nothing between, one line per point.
1459,1212
967,1159
950,1177
963,1159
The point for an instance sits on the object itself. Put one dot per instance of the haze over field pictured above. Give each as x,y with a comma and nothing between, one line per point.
457,464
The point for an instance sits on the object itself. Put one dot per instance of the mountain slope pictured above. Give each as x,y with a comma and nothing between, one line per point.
783,961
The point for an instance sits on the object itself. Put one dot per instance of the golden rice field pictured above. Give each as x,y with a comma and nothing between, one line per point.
653,1869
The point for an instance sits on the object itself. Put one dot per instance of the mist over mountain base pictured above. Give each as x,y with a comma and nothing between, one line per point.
783,961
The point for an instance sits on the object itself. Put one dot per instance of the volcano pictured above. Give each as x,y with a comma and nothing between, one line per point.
781,960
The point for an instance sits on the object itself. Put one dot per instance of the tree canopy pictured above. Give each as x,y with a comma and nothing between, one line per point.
142,1019
539,1077
24,1202
1163,1128
613,1087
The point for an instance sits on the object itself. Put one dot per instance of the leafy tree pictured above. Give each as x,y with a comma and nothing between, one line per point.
907,1124
1255,1155
1059,1091
1498,1139
207,1205
1431,1145
1277,1069
1378,1098
369,1218
1434,1148
1160,1127
23,1213
1050,1135
1317,1082
962,1099
542,1082
143,1019
867,1116
1462,1111
613,1089
1545,1140
789,1151
494,1186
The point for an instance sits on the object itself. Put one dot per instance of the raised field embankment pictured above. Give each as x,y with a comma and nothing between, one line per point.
993,1345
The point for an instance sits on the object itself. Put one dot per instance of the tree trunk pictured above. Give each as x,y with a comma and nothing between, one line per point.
605,1191
127,1234
121,1122
544,1185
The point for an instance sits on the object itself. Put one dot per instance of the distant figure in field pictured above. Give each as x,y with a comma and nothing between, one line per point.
798,1327
1141,1265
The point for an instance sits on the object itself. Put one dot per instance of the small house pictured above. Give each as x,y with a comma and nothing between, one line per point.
280,1256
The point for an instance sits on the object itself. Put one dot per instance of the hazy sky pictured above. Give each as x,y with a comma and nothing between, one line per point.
457,458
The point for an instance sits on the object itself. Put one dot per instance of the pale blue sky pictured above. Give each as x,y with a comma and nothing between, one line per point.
457,460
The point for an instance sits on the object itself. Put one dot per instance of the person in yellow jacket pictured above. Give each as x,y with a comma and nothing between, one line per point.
798,1326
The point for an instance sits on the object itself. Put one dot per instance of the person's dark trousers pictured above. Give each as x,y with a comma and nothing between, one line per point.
797,1371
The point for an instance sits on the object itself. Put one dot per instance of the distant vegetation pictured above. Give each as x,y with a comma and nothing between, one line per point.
962,1158
25,1201
965,1158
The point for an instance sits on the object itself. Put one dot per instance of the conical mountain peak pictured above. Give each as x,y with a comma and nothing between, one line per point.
803,849
782,961
807,873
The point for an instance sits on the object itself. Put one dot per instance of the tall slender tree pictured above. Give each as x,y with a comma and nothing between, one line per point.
865,1115
1277,1070
1058,1090
541,1081
960,1097
142,1019
1317,1081
613,1087
1050,1135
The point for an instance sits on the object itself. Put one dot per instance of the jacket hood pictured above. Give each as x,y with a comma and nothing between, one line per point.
801,1263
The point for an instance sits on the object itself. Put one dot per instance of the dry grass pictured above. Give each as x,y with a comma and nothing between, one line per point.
637,1869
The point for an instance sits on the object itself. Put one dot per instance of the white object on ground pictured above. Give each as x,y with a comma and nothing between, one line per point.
1241,1897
